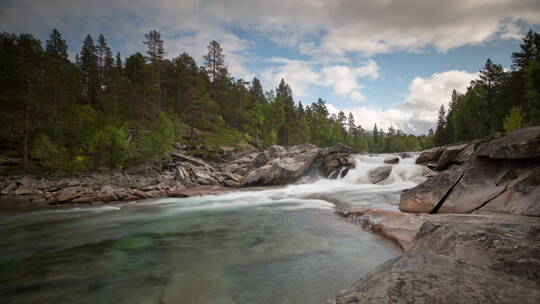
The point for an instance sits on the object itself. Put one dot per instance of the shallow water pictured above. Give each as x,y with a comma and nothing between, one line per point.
279,245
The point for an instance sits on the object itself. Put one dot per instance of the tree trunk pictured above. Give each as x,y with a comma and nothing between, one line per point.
25,139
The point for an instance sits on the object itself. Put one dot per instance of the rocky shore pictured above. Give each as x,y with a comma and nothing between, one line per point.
184,175
470,233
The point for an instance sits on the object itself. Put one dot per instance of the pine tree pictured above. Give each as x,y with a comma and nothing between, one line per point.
56,46
375,133
156,54
89,67
57,71
29,76
440,138
214,60
118,64
105,60
351,127
530,51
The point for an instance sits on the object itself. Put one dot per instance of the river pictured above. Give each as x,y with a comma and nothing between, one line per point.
266,245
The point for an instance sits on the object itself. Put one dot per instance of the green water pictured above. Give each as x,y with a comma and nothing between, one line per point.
281,245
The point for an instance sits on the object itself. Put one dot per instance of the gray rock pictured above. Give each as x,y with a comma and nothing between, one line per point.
522,195
69,193
286,166
428,278
519,144
448,156
9,189
391,160
464,156
427,196
429,155
379,174
405,155
478,186
511,248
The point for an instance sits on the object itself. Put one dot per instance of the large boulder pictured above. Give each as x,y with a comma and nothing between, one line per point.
519,144
483,180
379,174
427,196
280,171
287,166
429,155
429,278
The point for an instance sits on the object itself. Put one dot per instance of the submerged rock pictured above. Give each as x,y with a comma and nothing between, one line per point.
405,155
391,160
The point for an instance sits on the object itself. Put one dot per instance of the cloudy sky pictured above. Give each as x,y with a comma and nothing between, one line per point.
390,62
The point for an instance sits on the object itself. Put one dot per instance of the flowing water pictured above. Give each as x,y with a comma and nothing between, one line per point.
270,245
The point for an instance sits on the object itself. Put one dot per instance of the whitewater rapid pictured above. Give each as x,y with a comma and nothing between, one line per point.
321,193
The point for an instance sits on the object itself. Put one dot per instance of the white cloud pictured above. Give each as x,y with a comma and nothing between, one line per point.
299,75
418,112
344,79
303,75
326,30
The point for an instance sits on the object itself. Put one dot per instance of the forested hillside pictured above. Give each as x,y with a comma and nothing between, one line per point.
106,112
499,101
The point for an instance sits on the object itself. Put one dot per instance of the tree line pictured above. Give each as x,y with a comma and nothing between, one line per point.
105,112
499,101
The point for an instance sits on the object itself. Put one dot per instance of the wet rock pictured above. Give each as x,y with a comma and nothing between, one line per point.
429,278
519,144
379,174
391,160
427,196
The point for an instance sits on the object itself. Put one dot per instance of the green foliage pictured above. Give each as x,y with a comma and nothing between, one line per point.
158,141
514,120
110,148
101,112
499,101
50,155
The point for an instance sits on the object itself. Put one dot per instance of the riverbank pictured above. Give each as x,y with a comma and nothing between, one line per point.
470,233
184,176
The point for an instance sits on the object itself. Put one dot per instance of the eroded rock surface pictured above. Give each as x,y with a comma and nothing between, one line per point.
287,166
426,196
429,278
